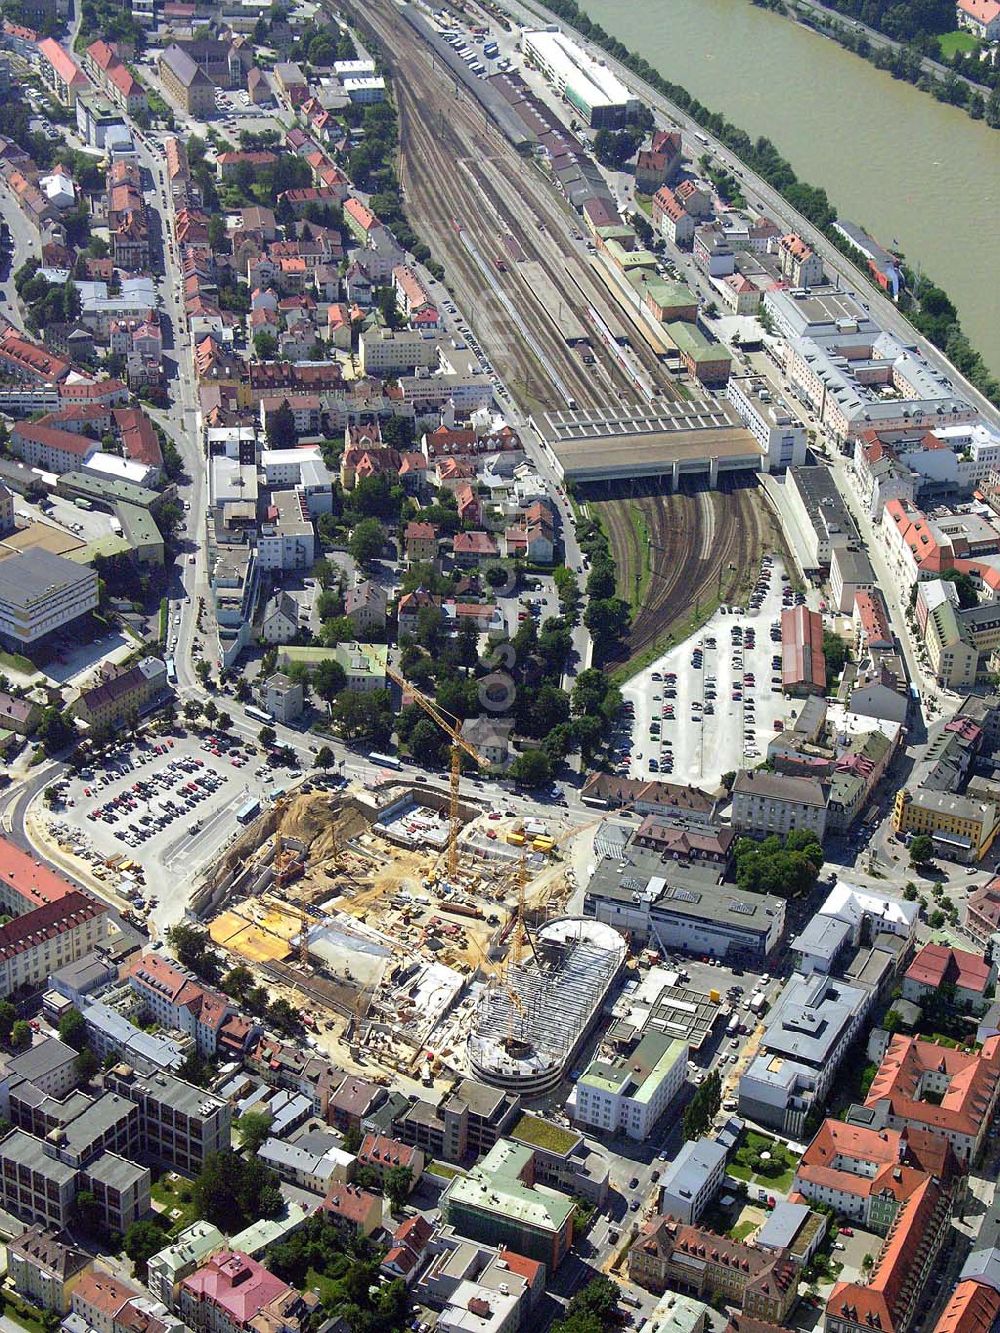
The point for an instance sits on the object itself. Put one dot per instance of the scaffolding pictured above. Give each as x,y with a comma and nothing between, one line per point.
526,1030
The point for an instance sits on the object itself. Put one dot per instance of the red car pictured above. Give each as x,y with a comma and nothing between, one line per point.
847,1231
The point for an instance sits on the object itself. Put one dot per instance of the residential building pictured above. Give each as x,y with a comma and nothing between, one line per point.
285,538
51,449
982,912
684,1258
491,737
981,17
284,698
865,1174
949,1092
366,605
420,541
630,1095
382,1153
171,996
357,1209
961,829
280,623
692,1179
186,83
467,1123
497,1202
799,262
168,1267
392,352
969,978
44,1267
305,1168
851,575
60,72
232,1293
889,1297
123,694
792,1229
49,936
973,1307
766,803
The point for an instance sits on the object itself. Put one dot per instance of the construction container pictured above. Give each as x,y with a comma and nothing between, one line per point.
515,838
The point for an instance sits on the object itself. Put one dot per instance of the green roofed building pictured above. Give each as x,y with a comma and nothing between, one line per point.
630,1094
364,663
499,1203
108,491
668,301
705,360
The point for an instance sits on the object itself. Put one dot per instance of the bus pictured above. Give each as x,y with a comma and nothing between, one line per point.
383,760
171,671
257,714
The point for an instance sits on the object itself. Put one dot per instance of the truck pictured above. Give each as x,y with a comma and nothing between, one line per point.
82,503
491,50
757,1002
733,1026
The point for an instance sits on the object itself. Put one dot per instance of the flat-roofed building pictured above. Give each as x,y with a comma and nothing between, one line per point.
497,1203
630,1094
178,1123
41,593
596,93
692,1179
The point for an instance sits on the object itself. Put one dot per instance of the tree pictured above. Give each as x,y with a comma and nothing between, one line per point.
284,1015
366,541
142,1241
88,1212
252,1129
328,679
267,736
532,768
325,757
265,346
232,1191
834,653
224,721
20,1035
55,731
8,1015
921,850
237,981
396,1182
210,710
427,744
786,868
73,1029
281,432
86,1065
194,950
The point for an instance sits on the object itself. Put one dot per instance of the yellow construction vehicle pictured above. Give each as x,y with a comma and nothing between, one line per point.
459,746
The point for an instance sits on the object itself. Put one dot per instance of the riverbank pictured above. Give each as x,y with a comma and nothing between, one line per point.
906,62
934,315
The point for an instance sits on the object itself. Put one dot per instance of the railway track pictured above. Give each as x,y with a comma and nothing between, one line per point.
439,132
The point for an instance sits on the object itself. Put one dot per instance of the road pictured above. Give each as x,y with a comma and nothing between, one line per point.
879,40
697,141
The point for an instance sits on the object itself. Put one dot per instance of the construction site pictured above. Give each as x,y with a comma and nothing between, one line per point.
416,931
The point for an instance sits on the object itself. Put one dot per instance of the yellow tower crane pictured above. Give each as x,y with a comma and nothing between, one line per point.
459,746
283,862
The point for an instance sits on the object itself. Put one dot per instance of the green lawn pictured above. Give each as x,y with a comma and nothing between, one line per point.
950,42
167,1193
743,1229
22,1314
753,1144
645,202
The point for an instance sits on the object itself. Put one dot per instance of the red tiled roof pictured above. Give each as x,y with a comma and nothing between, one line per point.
351,1203
236,1285
63,63
139,438
52,438
802,660
33,882
972,1081
936,964
47,922
973,1307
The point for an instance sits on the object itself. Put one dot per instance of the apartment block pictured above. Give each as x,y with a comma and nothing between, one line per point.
174,998
766,803
44,1267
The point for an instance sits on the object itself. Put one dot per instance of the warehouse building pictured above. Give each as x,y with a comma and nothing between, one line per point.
600,97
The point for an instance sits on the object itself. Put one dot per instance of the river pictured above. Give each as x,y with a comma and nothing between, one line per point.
908,168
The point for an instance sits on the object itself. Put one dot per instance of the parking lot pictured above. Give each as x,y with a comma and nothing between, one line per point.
169,804
709,706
